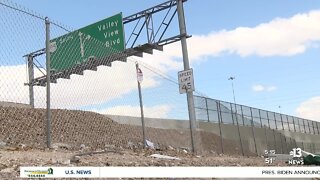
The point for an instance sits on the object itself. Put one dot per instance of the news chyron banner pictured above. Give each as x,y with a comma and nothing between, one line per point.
170,172
59,172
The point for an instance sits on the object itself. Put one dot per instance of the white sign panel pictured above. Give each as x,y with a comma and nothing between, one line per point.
139,75
186,83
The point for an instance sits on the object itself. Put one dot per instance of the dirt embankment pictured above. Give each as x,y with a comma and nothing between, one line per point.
23,142
75,128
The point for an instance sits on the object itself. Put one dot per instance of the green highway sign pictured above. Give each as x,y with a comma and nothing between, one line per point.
97,40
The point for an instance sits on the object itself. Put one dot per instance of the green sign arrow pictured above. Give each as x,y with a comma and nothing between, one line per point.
97,40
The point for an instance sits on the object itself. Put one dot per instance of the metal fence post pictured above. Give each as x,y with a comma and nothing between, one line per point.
281,121
314,150
304,126
47,22
252,128
265,130
285,139
141,106
288,123
309,127
219,123
313,126
275,120
292,143
295,143
274,137
31,76
206,99
240,139
183,34
294,125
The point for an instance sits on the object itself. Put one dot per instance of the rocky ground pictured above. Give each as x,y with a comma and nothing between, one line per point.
82,138
11,158
28,127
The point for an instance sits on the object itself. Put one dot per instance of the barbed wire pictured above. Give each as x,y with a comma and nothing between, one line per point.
31,13
25,11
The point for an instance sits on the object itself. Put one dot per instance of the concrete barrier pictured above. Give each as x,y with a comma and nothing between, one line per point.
12,104
254,140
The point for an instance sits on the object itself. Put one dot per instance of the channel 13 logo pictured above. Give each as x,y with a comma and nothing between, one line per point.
297,158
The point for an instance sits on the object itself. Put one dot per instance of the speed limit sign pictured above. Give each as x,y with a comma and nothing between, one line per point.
186,83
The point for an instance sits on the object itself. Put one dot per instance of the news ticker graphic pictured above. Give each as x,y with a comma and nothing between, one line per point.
169,172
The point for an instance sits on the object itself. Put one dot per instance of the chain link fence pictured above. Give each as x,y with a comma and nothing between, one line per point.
254,130
95,101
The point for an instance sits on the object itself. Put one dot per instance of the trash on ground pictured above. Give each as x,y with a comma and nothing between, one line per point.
159,156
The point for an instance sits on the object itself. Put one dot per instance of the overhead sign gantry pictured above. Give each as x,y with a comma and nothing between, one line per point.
155,39
63,67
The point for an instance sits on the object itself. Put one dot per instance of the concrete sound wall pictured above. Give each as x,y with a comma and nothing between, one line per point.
11,104
254,140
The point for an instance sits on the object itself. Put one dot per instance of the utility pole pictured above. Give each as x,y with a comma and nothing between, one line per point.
234,97
280,109
183,36
236,113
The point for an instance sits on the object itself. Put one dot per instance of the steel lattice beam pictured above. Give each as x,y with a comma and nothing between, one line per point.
149,11
148,47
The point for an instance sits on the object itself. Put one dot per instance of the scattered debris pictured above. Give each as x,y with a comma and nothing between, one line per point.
131,145
170,148
65,162
75,159
22,146
57,146
82,146
185,149
108,146
2,144
159,156
150,144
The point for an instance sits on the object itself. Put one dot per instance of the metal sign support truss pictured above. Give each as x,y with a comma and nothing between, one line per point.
155,40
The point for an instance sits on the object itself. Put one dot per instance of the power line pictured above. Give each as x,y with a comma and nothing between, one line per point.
164,75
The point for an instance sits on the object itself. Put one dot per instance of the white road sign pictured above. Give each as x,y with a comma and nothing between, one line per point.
139,75
186,83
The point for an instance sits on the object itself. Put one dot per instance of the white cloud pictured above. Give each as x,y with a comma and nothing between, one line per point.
159,111
261,88
94,87
271,88
279,37
258,88
310,109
